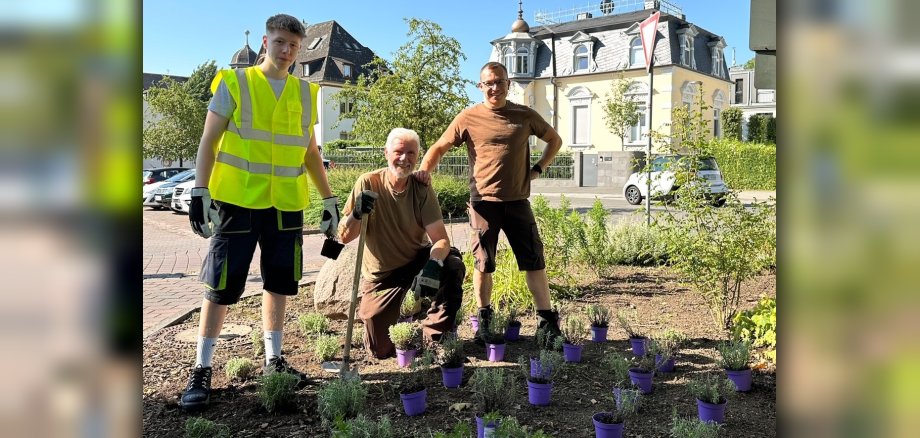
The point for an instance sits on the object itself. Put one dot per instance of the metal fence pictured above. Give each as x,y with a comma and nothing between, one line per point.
451,164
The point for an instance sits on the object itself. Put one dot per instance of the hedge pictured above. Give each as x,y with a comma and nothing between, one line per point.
746,166
453,194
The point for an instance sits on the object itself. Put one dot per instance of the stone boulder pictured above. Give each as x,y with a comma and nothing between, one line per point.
332,291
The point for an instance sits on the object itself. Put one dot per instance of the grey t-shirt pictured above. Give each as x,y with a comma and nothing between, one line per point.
222,103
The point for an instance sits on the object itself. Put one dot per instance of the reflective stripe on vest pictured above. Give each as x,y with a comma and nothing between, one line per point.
247,132
260,168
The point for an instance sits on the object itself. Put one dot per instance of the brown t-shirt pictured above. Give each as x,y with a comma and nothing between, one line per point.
497,144
396,226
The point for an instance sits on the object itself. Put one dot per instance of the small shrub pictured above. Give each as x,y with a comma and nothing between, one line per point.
635,243
409,306
357,336
313,324
511,428
450,351
198,427
277,390
711,388
599,315
746,166
575,330
758,326
617,366
550,364
693,428
258,343
240,368
413,380
734,355
340,399
461,429
626,321
732,123
363,427
597,251
512,315
645,363
404,335
627,407
497,327
325,347
493,389
667,343
541,339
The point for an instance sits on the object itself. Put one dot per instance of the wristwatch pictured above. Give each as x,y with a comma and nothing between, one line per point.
536,168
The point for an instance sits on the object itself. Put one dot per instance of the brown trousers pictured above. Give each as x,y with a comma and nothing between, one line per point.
380,302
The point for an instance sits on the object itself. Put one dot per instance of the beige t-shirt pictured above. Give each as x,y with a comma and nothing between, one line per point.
396,227
497,144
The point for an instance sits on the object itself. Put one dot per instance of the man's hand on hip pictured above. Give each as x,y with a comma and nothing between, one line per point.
203,213
330,220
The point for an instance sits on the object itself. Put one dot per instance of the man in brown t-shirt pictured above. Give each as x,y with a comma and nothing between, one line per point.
496,133
406,247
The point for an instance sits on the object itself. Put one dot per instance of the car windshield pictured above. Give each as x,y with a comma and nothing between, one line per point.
179,177
148,174
707,163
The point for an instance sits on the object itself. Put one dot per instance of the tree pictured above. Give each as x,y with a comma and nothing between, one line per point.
422,88
621,111
731,123
175,130
199,83
749,65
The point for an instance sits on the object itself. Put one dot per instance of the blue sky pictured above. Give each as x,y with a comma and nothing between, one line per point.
180,35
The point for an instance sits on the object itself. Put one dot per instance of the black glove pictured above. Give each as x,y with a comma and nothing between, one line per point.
364,204
203,213
428,280
329,223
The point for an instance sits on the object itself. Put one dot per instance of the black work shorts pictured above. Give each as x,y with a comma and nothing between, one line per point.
279,235
516,219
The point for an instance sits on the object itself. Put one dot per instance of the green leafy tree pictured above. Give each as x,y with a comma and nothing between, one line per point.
731,123
749,65
621,111
174,131
421,89
199,83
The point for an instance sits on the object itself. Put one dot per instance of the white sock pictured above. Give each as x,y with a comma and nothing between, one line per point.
272,345
205,351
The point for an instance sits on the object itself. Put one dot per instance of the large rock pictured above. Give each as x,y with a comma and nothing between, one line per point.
332,292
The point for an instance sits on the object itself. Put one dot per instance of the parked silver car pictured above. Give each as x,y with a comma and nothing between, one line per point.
664,179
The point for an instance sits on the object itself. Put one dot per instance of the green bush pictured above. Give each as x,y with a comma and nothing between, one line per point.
341,181
734,355
277,390
732,123
404,335
198,427
758,325
313,323
746,166
693,428
453,194
363,427
325,347
762,128
240,368
334,147
340,399
635,243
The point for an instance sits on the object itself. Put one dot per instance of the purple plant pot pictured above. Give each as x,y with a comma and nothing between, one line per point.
474,322
638,346
452,377
605,430
710,411
571,353
641,380
415,403
480,428
513,333
665,366
598,334
405,358
741,379
496,352
539,393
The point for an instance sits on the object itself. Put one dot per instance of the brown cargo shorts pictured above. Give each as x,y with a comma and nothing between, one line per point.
516,219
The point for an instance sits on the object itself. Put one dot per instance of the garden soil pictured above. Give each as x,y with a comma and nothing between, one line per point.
582,390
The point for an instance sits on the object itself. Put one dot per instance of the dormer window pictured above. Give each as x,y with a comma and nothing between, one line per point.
314,43
686,37
636,56
346,70
521,61
582,60
306,69
717,47
508,58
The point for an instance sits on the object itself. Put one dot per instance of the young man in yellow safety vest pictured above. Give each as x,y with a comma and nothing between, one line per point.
251,187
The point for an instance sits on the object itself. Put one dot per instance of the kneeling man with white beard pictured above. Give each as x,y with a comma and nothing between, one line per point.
406,247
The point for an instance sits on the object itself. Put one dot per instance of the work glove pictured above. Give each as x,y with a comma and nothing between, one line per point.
364,204
203,213
329,223
428,280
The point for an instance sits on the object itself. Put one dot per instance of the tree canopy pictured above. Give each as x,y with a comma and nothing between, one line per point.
177,115
621,111
421,89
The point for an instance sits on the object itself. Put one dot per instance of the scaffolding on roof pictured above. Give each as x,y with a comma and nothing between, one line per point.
593,9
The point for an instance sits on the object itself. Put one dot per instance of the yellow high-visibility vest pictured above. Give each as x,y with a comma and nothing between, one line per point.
260,157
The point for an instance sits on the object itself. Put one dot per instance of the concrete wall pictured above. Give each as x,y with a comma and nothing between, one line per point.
613,168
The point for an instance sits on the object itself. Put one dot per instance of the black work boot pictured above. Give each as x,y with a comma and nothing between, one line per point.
197,393
548,329
483,332
277,364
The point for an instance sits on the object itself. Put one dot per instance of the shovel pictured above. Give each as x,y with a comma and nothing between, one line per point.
344,367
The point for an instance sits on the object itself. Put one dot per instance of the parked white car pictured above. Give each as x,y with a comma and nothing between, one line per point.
156,194
182,197
664,180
